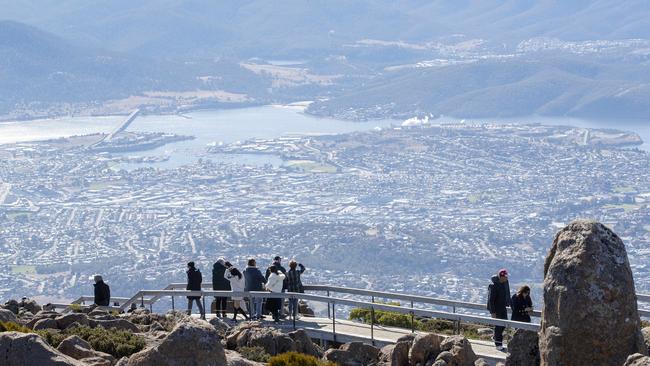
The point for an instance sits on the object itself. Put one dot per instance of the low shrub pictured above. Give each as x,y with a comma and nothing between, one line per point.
297,359
254,354
13,327
119,343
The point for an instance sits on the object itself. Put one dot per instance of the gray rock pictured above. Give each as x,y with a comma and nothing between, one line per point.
425,347
12,305
590,312
481,362
637,359
27,349
30,306
221,327
523,349
235,359
394,355
304,344
96,361
122,361
461,350
121,324
78,349
64,321
193,342
646,337
354,353
46,323
8,316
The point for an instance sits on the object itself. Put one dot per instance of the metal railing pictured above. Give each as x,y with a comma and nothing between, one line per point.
149,297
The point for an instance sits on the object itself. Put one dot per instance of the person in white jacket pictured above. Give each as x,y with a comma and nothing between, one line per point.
237,284
274,284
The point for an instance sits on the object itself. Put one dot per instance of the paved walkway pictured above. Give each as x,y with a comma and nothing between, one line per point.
348,331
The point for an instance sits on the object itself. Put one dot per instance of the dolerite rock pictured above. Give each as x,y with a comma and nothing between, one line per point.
121,324
461,350
40,316
235,359
353,354
303,344
26,349
46,323
96,361
79,349
481,362
31,306
193,342
220,326
646,337
254,334
8,316
424,348
523,349
590,312
12,305
66,320
394,355
637,359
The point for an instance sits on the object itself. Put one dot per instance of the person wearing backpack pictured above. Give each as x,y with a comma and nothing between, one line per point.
498,301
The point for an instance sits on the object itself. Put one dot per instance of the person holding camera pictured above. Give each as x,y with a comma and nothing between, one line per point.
238,284
522,305
294,284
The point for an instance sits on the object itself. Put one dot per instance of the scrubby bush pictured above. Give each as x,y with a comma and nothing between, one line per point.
13,327
297,359
118,343
254,354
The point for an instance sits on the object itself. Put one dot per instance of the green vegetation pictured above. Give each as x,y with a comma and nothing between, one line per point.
297,359
13,327
119,343
254,354
311,166
75,308
23,269
394,319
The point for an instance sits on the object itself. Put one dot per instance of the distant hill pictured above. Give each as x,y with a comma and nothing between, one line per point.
580,87
315,28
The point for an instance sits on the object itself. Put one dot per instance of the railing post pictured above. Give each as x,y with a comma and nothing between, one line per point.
173,307
142,301
372,325
334,320
294,312
203,300
328,305
412,318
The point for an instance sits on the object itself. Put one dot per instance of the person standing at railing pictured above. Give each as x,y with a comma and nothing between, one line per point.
194,280
102,292
275,284
238,284
220,283
294,284
498,301
522,305
254,282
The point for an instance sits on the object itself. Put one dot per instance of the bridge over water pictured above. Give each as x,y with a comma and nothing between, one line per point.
333,329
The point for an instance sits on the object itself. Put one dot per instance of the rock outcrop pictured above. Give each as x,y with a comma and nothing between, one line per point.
590,312
523,349
424,348
79,349
193,342
646,337
304,344
353,354
7,315
394,355
254,334
637,359
460,349
26,349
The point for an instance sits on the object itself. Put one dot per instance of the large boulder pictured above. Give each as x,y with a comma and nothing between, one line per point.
353,354
30,306
394,355
79,349
460,349
8,316
45,323
646,337
523,349
193,342
425,347
66,320
590,312
26,349
235,359
254,334
637,359
304,344
12,305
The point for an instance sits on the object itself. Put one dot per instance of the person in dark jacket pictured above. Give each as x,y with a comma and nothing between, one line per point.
194,280
220,283
294,284
254,282
498,301
277,263
521,305
102,292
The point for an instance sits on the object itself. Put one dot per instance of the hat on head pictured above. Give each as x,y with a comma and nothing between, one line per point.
503,272
221,261
277,258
